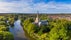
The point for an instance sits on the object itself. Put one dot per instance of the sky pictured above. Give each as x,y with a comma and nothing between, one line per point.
32,6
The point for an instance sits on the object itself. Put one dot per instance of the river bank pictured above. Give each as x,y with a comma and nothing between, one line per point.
18,31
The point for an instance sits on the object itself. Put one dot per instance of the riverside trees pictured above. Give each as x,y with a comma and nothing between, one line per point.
4,30
58,29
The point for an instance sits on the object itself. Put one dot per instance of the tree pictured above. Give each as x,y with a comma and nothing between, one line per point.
6,35
43,17
53,34
30,27
60,31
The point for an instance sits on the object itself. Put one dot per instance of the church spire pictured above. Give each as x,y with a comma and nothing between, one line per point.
38,14
37,18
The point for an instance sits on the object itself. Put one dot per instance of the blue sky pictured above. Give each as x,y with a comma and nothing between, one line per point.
32,6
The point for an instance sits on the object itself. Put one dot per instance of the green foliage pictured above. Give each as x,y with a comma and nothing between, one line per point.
58,29
26,22
6,35
43,17
30,28
3,28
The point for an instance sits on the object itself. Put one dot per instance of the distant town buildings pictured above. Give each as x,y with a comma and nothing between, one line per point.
67,17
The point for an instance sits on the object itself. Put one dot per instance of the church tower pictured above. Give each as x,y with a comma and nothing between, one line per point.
37,18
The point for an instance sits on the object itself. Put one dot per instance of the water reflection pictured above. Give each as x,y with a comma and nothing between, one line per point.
17,31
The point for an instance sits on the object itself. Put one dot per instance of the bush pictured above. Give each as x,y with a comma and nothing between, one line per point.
6,35
3,28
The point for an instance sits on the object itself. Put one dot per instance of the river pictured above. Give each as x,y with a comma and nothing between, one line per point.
18,31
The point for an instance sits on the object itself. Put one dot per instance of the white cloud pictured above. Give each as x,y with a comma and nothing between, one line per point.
26,6
53,7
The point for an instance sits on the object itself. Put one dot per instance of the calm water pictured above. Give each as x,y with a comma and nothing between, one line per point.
17,31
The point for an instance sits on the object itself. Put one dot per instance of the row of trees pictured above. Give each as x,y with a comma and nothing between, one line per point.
58,29
4,30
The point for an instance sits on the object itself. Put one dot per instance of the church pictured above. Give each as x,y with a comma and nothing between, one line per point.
40,22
